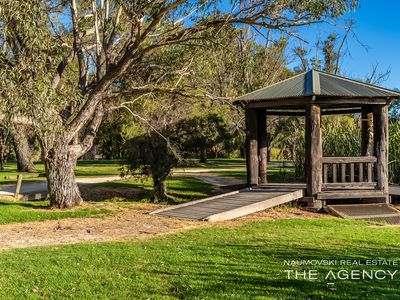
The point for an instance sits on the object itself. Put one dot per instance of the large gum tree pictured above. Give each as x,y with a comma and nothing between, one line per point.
60,60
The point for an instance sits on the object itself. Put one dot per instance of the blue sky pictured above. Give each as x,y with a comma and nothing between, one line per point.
377,27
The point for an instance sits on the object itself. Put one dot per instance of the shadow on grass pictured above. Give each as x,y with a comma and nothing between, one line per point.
33,204
97,162
252,268
181,188
274,175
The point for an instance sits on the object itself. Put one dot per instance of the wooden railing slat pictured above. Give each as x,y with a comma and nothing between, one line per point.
352,172
343,172
347,160
334,172
369,166
325,166
360,172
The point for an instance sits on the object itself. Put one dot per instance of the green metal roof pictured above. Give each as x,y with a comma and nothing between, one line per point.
318,83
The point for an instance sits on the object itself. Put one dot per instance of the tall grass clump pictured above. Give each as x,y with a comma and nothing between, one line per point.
394,152
341,136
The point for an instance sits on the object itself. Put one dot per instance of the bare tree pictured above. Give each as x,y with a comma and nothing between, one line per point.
377,77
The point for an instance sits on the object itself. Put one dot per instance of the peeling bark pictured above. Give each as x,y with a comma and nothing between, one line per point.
60,163
160,191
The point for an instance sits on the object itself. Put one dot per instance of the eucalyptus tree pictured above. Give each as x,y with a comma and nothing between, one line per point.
60,60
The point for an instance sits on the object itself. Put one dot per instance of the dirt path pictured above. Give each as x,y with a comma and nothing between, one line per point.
127,223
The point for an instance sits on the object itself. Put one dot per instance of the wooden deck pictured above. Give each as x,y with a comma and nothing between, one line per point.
234,204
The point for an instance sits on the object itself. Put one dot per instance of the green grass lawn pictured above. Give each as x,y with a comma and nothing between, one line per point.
215,163
87,168
23,211
274,174
99,168
206,263
181,188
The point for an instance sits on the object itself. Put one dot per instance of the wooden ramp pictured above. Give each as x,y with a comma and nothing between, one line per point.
232,205
380,212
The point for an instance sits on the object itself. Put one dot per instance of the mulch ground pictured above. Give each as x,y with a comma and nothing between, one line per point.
126,223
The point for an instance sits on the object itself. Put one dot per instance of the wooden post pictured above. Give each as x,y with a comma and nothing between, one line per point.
313,150
381,141
18,186
252,146
262,145
367,131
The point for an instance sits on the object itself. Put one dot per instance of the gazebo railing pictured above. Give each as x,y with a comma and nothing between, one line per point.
348,172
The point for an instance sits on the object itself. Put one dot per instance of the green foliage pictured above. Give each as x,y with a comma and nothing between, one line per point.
151,154
394,152
113,133
299,158
394,110
330,53
29,62
341,136
203,133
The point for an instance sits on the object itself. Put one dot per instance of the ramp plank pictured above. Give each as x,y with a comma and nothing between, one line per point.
232,205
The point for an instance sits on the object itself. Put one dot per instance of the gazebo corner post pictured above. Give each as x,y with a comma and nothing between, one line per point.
313,152
252,163
367,131
262,144
381,145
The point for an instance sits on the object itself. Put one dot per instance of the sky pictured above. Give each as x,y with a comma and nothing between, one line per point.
377,28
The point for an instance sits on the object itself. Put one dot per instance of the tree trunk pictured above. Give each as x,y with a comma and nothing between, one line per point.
2,156
22,150
203,155
60,164
160,190
242,151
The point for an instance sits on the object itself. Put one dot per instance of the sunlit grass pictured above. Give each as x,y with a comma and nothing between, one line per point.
239,262
23,211
181,188
96,168
274,174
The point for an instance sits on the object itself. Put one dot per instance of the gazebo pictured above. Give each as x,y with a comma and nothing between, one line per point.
312,94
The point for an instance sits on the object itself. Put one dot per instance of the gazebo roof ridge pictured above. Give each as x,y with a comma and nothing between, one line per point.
318,83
